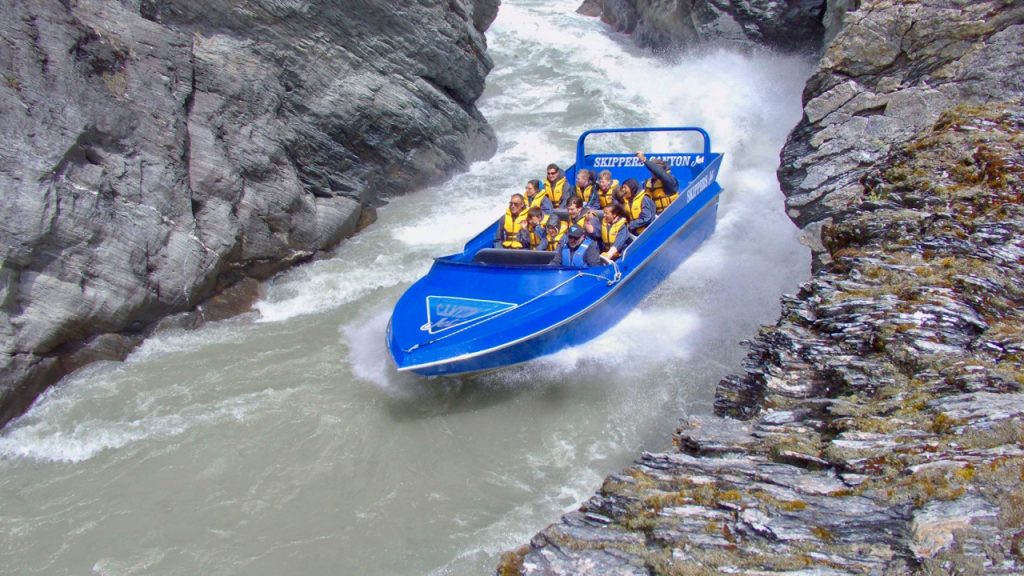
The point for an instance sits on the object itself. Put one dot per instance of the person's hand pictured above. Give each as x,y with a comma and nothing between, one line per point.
641,156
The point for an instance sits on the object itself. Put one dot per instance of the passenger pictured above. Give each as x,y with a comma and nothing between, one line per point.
638,205
586,189
534,235
509,231
614,231
554,218
554,231
606,188
555,186
577,250
662,186
584,217
535,198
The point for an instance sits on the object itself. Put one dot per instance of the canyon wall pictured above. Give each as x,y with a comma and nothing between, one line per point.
158,153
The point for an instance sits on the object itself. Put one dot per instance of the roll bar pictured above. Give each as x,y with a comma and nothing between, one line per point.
580,153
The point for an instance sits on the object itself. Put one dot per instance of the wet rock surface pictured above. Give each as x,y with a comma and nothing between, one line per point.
878,427
888,75
159,152
791,25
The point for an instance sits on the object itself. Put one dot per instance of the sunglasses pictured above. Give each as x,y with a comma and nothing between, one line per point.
515,203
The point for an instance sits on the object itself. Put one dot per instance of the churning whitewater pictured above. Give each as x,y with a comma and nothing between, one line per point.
286,438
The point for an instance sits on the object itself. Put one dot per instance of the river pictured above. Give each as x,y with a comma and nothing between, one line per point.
284,442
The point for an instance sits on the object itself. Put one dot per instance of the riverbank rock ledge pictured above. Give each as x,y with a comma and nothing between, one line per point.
157,152
878,427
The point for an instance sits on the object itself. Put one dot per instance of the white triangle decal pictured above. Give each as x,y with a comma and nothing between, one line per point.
447,312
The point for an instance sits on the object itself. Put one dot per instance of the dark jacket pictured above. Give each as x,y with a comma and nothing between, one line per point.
668,181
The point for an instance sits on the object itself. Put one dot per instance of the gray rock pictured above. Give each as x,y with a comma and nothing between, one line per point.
876,428
887,76
165,150
792,25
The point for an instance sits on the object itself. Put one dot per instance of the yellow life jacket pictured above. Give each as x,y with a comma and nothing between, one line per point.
534,237
609,232
562,226
555,194
581,222
553,241
512,225
636,206
537,199
608,197
586,193
657,193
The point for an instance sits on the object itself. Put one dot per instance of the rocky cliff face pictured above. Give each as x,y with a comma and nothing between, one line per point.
793,25
890,74
879,426
156,152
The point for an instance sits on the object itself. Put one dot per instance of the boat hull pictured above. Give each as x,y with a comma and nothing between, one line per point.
593,320
485,309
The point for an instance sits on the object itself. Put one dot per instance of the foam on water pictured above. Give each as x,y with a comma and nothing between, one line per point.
368,355
175,341
502,453
46,438
313,289
656,334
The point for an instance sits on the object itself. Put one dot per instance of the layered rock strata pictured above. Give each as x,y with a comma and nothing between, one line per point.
879,426
157,152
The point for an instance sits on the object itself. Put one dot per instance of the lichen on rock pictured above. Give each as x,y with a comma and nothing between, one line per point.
878,427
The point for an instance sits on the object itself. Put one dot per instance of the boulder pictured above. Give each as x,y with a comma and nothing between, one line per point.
160,151
790,25
890,73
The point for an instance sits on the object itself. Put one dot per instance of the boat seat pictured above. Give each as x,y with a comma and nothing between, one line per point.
508,257
562,213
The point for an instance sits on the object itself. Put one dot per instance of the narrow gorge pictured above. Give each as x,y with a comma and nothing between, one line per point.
200,239
878,427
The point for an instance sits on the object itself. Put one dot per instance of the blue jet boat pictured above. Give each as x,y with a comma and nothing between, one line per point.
486,308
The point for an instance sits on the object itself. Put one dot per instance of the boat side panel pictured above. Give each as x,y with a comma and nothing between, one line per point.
598,319
542,296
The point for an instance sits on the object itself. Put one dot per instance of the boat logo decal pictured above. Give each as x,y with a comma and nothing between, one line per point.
447,312
624,161
698,186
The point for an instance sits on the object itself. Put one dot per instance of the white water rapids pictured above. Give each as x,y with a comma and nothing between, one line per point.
287,444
